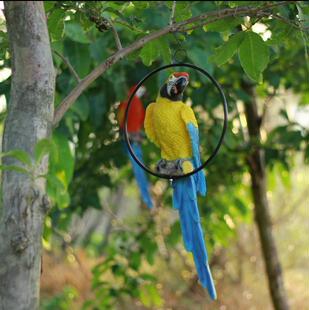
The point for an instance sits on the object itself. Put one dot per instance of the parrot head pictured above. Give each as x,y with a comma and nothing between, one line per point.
175,85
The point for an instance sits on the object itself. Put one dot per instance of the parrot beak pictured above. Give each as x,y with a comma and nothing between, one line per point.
181,84
177,85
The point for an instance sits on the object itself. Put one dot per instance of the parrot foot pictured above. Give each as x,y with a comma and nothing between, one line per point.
172,167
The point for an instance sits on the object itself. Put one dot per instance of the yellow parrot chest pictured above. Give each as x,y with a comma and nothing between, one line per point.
170,130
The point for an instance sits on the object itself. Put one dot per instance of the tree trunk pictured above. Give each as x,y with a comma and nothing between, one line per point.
30,114
261,206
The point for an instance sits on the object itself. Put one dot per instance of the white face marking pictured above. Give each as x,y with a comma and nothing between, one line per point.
170,83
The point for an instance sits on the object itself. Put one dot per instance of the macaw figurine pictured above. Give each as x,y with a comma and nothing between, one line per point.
135,127
171,125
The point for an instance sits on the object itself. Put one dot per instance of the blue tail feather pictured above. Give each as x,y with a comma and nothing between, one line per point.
185,200
140,175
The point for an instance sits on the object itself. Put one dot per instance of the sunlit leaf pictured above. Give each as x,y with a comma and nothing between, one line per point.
150,296
253,55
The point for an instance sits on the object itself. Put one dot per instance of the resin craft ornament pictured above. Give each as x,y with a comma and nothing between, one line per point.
172,126
135,128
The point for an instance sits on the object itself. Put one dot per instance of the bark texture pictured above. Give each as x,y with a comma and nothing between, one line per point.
261,206
30,114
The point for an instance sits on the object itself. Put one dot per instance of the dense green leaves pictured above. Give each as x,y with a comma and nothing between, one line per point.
253,55
87,156
252,50
150,297
153,50
55,22
44,147
61,167
224,25
149,53
78,55
81,108
182,11
223,53
75,32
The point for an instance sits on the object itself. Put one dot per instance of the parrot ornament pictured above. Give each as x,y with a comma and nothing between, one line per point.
135,126
171,125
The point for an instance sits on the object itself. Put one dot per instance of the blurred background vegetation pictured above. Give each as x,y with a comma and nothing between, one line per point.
102,248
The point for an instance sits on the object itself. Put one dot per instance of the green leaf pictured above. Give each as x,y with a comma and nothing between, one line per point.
20,155
55,24
173,237
200,57
81,108
233,4
14,168
44,147
224,24
182,11
150,296
241,206
304,99
64,166
149,53
75,32
78,55
148,277
48,5
226,51
165,51
284,114
154,49
141,5
57,191
135,260
253,55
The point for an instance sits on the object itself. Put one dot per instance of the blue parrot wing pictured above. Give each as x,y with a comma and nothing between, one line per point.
185,200
200,176
140,175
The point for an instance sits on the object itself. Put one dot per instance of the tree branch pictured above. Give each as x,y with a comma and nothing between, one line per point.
216,15
68,64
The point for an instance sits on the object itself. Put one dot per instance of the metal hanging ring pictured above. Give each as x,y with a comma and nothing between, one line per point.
225,121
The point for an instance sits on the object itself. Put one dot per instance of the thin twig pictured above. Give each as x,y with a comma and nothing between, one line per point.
235,12
92,76
172,20
288,21
116,36
68,64
131,27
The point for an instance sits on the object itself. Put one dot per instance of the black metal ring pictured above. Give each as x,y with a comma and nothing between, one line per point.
214,153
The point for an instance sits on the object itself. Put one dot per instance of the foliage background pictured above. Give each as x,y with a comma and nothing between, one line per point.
103,249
